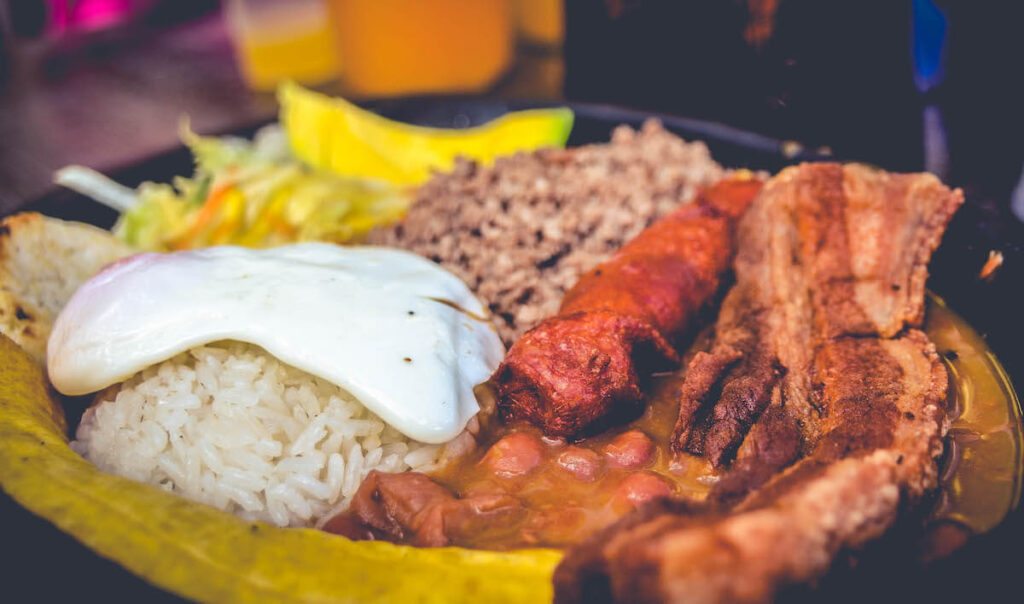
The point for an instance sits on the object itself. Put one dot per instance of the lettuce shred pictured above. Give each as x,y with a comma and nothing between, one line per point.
256,194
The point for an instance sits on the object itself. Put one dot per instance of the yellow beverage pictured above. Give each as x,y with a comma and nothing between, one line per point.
278,40
393,47
541,22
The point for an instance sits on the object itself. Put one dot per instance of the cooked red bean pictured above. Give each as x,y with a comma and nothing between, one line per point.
637,489
582,463
514,455
631,449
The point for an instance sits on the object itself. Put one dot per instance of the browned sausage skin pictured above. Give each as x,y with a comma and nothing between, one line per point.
583,370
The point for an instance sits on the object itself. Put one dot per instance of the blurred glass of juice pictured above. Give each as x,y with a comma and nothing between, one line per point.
395,47
541,22
278,40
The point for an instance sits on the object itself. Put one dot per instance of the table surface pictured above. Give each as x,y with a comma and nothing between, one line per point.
117,104
113,102
110,99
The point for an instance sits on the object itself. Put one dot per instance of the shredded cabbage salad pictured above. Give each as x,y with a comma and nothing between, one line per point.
252,193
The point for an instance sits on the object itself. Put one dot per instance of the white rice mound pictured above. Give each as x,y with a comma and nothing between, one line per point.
228,425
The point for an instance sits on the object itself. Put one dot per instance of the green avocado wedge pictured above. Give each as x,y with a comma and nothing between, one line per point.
201,553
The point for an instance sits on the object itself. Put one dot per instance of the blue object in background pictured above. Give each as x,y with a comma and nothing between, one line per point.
928,34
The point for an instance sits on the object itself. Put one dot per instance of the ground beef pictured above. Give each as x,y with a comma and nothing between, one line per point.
520,233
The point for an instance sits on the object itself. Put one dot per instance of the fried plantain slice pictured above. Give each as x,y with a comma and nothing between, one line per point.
207,555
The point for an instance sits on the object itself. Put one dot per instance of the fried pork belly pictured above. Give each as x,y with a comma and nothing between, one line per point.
820,399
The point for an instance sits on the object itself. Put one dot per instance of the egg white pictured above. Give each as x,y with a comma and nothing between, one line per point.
405,337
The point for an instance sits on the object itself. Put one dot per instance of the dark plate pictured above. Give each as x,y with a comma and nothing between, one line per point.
44,562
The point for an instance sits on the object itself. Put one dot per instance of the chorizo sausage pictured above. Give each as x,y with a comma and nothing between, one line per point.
581,371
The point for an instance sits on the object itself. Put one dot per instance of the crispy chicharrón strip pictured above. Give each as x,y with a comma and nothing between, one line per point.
820,399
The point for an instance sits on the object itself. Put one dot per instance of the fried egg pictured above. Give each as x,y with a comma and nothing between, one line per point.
402,335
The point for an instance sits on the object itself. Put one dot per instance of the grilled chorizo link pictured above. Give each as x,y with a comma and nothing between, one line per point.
582,370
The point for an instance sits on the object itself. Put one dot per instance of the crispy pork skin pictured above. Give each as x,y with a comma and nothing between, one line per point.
820,399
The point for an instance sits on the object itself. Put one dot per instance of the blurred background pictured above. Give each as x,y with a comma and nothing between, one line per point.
905,84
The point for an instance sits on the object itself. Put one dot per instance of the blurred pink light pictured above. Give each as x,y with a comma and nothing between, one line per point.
87,14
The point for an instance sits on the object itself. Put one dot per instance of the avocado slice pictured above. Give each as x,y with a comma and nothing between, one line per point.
333,134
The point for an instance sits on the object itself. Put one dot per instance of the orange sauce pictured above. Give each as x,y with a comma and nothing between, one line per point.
980,483
559,508
981,478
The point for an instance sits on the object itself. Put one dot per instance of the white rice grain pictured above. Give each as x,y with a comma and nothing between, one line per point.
228,425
